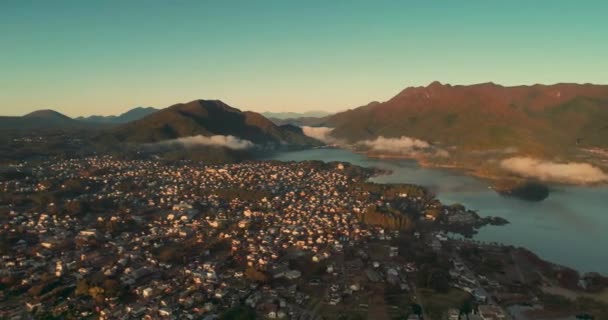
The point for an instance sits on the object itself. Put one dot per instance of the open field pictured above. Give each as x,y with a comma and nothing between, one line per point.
436,304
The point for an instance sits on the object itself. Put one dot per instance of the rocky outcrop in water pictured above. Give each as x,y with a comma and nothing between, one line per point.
529,191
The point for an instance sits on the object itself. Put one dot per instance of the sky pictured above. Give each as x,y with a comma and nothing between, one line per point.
105,57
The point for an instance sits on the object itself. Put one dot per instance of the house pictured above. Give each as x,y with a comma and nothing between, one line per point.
393,251
147,292
293,274
491,312
279,271
480,295
372,275
453,314
164,312
31,306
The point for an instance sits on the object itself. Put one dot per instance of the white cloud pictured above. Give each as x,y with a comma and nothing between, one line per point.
230,142
320,133
401,145
442,153
571,172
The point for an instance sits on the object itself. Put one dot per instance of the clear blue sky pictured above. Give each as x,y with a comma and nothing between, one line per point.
104,57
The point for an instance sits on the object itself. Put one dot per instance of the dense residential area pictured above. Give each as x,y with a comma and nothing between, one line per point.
104,238
303,160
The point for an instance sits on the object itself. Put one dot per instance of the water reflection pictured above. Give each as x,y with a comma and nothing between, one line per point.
567,227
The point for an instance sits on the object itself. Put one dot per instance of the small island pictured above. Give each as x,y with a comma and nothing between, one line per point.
528,190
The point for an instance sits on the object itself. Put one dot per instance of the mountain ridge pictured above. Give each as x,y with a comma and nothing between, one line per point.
40,119
447,105
295,115
207,118
127,116
480,125
46,113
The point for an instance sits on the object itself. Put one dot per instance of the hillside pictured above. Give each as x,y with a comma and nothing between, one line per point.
208,118
47,114
131,115
295,115
477,123
40,120
300,121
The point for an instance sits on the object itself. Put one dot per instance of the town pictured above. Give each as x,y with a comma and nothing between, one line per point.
105,238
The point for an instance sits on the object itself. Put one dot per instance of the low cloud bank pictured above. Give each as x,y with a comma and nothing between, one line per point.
395,145
402,146
230,142
322,134
571,172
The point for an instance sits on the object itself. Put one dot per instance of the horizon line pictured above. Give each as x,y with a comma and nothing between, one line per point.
317,109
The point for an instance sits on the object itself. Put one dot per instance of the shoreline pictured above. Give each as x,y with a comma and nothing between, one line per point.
423,162
493,180
458,170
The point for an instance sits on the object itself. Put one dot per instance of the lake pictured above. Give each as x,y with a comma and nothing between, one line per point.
570,227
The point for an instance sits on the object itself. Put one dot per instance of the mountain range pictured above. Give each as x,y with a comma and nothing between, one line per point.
45,118
209,118
206,130
482,116
295,115
472,127
478,125
205,118
131,115
50,119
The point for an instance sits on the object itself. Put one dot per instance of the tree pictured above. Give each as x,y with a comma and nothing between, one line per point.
239,313
255,275
36,291
76,207
466,307
439,280
111,287
434,278
82,287
417,309
97,293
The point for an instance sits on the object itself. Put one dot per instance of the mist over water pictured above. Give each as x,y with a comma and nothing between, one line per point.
230,142
570,227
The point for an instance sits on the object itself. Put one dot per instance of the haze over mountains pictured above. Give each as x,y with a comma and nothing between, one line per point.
51,119
45,118
131,115
295,115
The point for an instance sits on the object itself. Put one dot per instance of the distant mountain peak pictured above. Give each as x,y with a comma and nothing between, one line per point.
39,120
47,113
540,119
128,116
295,115
142,108
213,103
207,118
435,84
489,84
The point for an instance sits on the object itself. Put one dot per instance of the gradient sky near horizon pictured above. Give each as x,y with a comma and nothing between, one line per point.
105,57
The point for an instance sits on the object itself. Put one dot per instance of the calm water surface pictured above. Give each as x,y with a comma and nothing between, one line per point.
570,227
